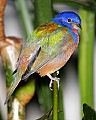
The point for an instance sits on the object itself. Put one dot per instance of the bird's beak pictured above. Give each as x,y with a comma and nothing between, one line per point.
77,26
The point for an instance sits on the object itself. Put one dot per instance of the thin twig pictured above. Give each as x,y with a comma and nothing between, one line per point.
55,101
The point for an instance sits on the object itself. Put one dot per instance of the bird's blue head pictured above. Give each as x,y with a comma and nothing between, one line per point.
68,19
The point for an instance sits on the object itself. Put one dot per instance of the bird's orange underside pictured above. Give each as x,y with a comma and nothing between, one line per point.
54,65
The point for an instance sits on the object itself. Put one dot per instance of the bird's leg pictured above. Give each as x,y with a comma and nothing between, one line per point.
53,79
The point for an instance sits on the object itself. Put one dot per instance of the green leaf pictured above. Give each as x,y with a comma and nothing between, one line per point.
43,11
88,5
89,113
25,17
44,93
26,90
9,76
86,50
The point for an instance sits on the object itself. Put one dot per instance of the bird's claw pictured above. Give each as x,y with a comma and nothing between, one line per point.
51,83
53,79
57,72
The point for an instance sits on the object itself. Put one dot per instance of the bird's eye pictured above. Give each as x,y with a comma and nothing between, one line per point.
69,20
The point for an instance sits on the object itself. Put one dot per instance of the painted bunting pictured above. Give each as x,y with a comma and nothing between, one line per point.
48,48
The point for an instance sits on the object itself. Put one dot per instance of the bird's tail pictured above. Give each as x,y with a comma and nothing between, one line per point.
12,88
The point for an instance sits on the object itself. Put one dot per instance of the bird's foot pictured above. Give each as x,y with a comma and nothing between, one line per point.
57,72
53,79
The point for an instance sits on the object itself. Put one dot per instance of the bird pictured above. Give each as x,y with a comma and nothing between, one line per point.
47,49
